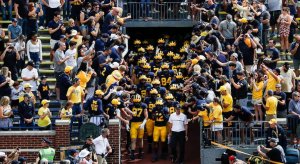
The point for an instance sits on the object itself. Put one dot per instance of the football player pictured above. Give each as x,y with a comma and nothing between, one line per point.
161,118
139,116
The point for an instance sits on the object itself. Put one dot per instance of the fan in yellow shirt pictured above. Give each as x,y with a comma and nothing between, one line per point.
227,103
66,112
75,93
216,117
273,77
257,85
44,113
271,105
202,112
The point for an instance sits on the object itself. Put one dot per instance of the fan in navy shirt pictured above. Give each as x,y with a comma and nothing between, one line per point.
116,53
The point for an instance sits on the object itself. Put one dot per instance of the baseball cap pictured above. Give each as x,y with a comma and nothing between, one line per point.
45,102
235,55
99,92
73,32
121,47
73,151
222,88
26,95
83,153
27,85
278,85
68,69
243,20
43,77
273,121
14,20
62,37
275,140
89,137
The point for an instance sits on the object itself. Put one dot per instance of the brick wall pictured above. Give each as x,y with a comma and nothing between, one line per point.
29,142
115,141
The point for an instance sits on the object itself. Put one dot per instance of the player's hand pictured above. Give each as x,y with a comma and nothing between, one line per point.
186,138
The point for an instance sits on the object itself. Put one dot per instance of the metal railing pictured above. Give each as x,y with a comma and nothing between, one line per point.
157,10
241,134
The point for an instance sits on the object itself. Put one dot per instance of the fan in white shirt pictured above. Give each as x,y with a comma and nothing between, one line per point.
30,75
102,146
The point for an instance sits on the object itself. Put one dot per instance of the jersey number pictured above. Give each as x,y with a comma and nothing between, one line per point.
164,81
160,118
103,72
137,112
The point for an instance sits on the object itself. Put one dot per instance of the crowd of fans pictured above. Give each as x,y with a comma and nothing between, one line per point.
152,85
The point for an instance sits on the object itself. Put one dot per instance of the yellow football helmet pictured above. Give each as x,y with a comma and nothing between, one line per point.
147,66
145,42
115,102
141,49
165,66
176,57
143,77
179,75
183,66
172,44
137,98
153,91
158,57
161,41
174,87
182,50
137,41
155,81
170,54
159,101
150,48
142,61
169,96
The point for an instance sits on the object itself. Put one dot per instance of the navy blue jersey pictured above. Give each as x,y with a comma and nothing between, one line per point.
151,104
94,106
111,111
138,111
142,89
165,77
170,106
161,116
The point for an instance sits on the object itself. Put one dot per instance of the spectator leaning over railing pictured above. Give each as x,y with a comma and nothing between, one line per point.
276,131
245,117
275,153
89,145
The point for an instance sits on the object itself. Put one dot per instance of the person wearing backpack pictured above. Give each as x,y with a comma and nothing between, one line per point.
275,153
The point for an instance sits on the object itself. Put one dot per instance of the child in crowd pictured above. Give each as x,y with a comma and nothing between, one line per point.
66,112
43,89
15,94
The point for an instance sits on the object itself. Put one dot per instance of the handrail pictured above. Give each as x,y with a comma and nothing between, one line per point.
162,11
